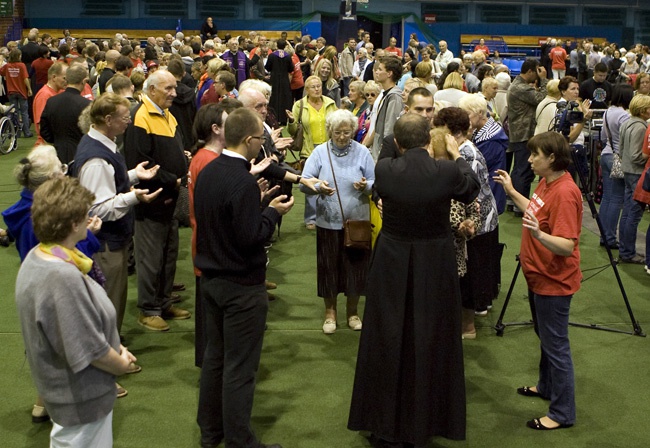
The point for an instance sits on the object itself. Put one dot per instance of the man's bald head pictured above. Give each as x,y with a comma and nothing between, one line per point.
111,57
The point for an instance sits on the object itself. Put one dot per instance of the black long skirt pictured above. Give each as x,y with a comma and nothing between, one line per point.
340,269
409,384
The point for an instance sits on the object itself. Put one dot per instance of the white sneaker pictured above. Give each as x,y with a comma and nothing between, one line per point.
647,270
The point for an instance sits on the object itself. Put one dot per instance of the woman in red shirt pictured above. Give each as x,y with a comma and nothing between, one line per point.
550,260
18,88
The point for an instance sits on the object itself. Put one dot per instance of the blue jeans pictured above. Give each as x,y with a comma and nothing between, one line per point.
632,214
556,381
522,174
612,202
22,109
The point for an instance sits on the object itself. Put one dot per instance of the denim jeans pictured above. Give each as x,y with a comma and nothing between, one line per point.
612,202
22,109
556,380
522,174
632,214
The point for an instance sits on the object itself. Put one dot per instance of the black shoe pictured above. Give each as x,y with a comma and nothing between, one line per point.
613,246
528,392
637,259
537,424
519,214
275,445
178,287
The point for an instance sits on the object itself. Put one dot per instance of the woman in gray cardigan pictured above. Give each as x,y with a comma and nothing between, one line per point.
69,327
632,137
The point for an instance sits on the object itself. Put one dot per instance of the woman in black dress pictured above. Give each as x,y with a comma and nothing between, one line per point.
409,384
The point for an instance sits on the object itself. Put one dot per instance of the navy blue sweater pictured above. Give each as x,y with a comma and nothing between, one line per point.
230,227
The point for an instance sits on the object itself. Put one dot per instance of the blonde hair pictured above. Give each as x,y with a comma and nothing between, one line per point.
215,65
453,81
638,104
438,146
552,88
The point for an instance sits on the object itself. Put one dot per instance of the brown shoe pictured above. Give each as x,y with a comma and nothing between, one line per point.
174,313
271,285
155,323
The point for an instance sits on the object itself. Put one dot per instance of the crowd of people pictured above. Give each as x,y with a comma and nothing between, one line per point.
421,149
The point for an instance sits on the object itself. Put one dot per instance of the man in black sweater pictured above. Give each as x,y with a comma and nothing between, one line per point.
232,230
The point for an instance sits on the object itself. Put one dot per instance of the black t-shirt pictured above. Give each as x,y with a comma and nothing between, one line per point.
600,93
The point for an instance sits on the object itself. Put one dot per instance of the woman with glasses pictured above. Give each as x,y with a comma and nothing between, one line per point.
311,112
371,92
347,173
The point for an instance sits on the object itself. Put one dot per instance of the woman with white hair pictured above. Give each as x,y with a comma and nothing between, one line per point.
349,172
501,99
629,67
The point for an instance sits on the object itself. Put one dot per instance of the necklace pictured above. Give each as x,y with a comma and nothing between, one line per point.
340,152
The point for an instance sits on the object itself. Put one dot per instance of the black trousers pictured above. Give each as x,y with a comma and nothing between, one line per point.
235,317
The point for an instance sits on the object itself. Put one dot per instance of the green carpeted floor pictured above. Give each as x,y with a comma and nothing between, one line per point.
305,377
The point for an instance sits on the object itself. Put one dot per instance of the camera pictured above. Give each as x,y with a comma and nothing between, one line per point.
567,114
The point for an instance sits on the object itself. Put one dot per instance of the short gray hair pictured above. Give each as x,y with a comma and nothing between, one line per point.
503,79
339,118
474,103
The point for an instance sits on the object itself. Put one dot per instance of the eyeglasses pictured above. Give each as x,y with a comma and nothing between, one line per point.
371,94
261,138
124,118
342,133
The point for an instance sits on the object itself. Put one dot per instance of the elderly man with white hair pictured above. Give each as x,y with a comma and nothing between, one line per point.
444,55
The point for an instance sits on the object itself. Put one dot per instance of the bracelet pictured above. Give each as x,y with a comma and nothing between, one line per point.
298,179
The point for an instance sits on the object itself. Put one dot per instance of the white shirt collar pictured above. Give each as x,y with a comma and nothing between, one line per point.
229,153
95,134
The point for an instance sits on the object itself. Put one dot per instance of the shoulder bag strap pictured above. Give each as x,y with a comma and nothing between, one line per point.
329,156
609,134
540,112
302,106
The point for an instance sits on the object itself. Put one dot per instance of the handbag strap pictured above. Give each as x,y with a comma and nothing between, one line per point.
329,156
302,105
609,134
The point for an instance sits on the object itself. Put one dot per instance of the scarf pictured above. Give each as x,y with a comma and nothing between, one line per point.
74,256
